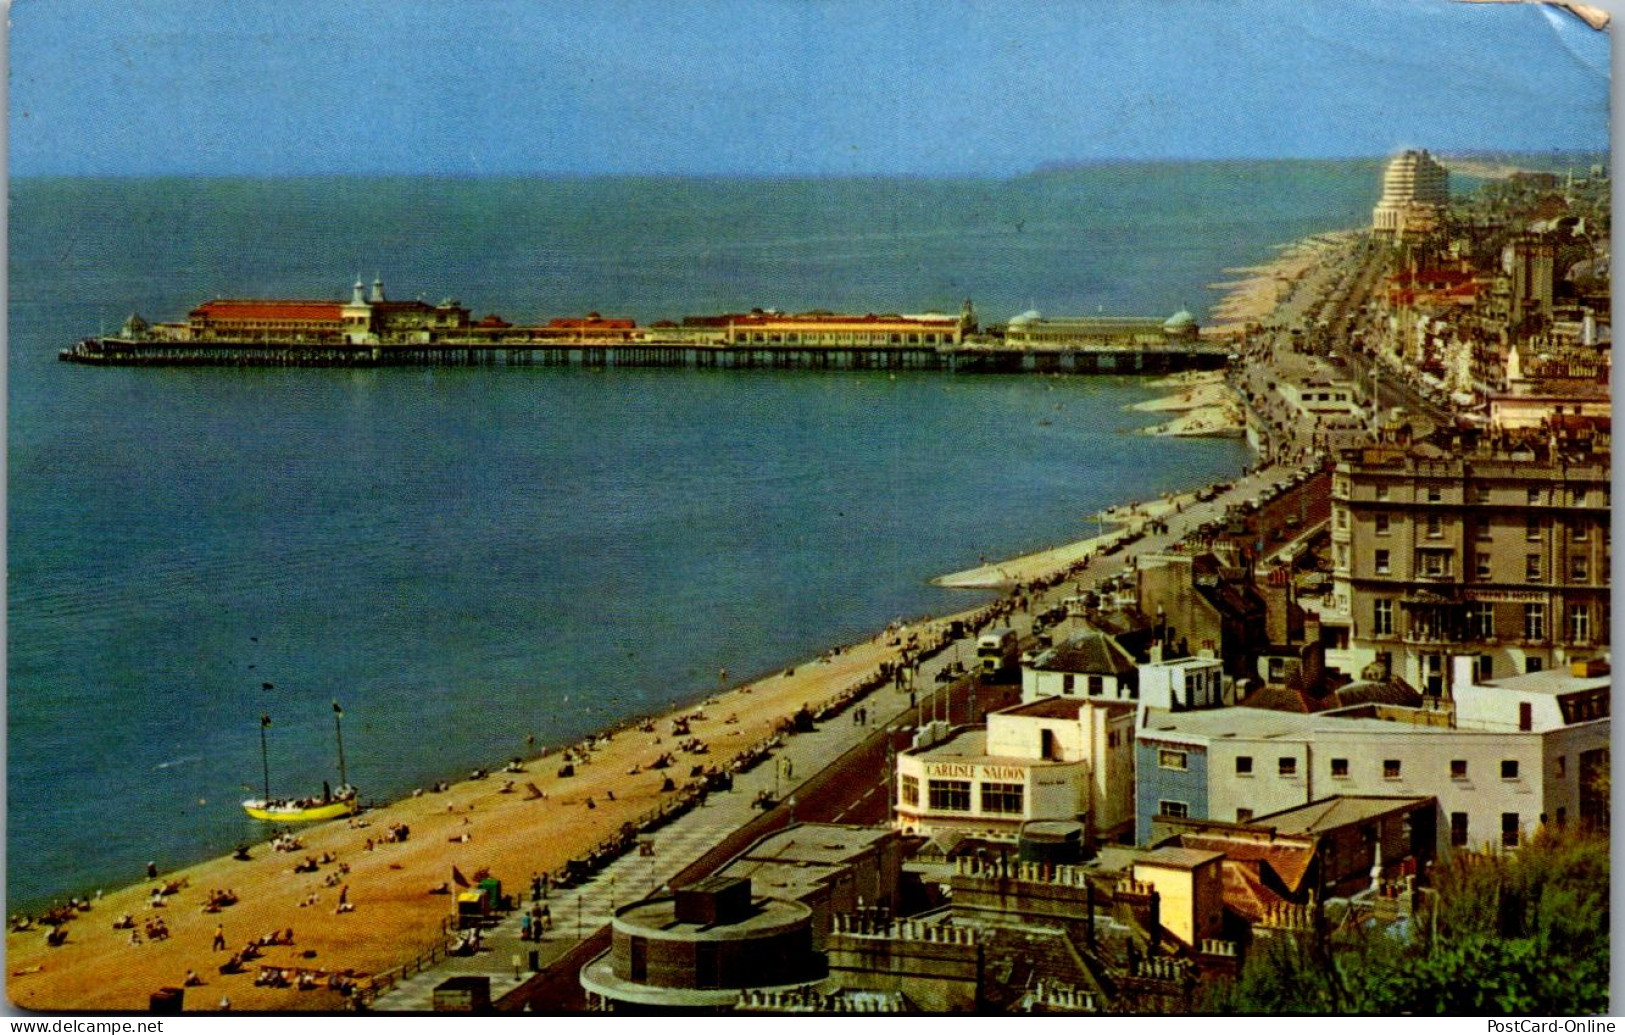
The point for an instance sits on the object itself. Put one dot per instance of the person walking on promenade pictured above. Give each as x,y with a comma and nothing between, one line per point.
219,937
524,927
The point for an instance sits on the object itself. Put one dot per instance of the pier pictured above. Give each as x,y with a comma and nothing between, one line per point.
969,357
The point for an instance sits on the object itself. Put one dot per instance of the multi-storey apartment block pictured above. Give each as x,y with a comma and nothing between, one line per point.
1497,551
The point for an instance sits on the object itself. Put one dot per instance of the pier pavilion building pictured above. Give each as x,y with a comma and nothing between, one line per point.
1034,330
364,319
822,329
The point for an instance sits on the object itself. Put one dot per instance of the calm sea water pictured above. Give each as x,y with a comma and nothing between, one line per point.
466,557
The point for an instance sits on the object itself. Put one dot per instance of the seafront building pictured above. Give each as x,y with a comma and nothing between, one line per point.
1415,192
1056,758
1495,547
1514,755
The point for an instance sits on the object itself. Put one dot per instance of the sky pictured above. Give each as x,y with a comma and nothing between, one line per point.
780,87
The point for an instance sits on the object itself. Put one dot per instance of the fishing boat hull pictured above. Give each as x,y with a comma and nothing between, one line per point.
287,813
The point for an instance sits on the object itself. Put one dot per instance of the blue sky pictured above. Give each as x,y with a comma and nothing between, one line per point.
777,87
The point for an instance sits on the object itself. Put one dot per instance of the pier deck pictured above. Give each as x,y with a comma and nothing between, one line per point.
968,358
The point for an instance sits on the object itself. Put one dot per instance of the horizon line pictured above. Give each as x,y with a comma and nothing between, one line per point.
1044,168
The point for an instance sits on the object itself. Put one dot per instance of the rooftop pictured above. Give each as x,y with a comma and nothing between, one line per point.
657,917
822,844
1062,707
1091,652
1178,858
1551,681
1226,723
1331,813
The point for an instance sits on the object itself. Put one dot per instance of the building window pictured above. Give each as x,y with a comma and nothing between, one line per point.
1174,809
1006,798
1582,531
1382,562
1534,621
1390,769
1382,494
1458,829
1381,521
1435,527
1579,495
1532,530
1067,682
1172,760
1458,769
1382,617
1483,492
1342,518
1534,497
1482,531
1533,665
1480,621
1509,829
908,790
1244,815
1340,767
1244,765
1434,495
1287,766
1562,766
1483,567
1097,686
948,795
1435,563
1509,769
1562,817
1484,669
1579,568
1531,567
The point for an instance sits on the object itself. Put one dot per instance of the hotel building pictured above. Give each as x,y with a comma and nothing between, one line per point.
1498,552
1415,192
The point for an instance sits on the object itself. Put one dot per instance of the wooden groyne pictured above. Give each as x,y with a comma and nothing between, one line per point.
969,358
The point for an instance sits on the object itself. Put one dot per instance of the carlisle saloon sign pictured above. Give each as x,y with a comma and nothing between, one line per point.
969,771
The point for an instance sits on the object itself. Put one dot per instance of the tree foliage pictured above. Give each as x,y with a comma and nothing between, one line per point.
1518,934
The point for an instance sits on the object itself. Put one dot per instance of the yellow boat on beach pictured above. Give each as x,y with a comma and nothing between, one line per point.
305,810
345,801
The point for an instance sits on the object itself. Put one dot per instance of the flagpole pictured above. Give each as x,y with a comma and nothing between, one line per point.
265,756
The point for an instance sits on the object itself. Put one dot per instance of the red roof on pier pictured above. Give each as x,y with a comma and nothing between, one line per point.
269,309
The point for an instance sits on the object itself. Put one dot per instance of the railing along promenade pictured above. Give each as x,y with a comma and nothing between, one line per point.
969,357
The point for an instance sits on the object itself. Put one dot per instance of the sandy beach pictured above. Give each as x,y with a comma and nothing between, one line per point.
473,826
1041,564
1206,407
1254,297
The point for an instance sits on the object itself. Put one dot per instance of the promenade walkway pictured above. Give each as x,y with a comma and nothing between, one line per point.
580,911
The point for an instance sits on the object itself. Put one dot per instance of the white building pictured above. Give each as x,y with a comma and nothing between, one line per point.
1051,759
1415,192
1525,752
1183,684
1087,664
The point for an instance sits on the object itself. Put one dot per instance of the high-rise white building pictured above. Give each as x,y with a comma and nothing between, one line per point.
1415,190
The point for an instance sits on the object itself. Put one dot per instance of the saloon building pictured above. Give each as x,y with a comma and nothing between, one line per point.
1052,759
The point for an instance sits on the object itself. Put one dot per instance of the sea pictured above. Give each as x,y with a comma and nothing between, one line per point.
466,558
